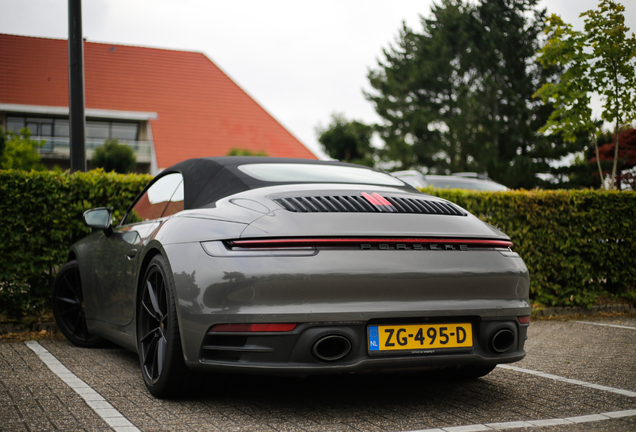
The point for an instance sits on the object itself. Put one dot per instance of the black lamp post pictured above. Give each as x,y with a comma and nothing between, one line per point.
76,87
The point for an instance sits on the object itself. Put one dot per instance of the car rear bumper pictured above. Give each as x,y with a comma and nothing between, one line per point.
342,293
293,353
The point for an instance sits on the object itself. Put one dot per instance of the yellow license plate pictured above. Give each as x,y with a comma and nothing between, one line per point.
418,336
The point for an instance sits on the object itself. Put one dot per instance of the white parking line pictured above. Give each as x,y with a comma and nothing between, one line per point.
546,422
570,381
94,400
606,325
534,423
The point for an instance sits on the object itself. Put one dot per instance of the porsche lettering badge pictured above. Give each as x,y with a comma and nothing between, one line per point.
413,246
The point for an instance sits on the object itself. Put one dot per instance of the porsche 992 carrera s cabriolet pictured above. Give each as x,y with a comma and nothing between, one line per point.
284,266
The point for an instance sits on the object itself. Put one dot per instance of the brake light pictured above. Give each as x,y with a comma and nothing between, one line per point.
329,242
253,327
378,201
524,319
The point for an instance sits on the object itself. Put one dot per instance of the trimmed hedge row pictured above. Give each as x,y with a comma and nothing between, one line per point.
578,245
40,217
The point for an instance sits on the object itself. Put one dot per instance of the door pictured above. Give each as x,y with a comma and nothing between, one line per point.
117,273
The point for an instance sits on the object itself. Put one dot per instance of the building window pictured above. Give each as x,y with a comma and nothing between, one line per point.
98,130
61,128
124,131
49,127
37,126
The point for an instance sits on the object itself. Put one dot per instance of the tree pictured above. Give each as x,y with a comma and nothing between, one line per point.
458,96
570,95
418,87
234,151
614,55
113,156
347,141
600,59
20,151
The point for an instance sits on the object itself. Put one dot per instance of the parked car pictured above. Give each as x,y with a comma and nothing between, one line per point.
287,266
471,181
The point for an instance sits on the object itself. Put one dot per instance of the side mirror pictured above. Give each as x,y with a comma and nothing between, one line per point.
99,218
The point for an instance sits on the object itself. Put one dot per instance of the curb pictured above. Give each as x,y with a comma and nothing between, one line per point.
574,310
18,327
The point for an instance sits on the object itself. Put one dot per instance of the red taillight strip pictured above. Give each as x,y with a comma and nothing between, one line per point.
253,328
340,241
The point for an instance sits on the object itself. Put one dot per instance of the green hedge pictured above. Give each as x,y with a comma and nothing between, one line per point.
40,217
579,245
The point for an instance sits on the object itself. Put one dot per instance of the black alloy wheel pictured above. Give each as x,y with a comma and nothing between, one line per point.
68,307
153,319
158,340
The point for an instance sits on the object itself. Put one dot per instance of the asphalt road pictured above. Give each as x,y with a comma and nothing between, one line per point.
577,376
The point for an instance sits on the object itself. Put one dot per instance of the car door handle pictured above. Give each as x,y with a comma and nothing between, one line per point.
131,254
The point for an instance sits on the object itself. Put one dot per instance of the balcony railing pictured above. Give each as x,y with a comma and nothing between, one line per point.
59,147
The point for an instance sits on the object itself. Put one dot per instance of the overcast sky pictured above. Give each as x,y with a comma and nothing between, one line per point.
301,60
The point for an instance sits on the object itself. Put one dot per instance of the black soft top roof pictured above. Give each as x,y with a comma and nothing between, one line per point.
209,179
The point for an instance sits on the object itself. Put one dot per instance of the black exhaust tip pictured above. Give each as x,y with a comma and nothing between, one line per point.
331,348
502,340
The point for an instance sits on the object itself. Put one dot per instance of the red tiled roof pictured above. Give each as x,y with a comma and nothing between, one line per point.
201,111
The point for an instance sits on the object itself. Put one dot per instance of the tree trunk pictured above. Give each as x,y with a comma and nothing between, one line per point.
495,131
598,162
615,156
616,87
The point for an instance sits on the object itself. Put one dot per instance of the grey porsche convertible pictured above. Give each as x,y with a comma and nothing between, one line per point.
287,266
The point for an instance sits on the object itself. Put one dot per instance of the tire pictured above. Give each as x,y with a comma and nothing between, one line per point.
68,307
158,341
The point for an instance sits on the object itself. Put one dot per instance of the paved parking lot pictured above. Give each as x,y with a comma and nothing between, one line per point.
577,376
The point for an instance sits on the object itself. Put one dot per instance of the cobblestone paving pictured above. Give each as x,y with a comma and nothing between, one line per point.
33,398
592,353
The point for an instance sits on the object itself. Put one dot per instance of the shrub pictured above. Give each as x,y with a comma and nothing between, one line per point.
235,151
40,217
579,245
113,156
19,151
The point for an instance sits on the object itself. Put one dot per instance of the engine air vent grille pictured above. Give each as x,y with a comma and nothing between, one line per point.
367,203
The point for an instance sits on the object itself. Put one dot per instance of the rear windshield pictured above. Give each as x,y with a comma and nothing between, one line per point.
289,172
